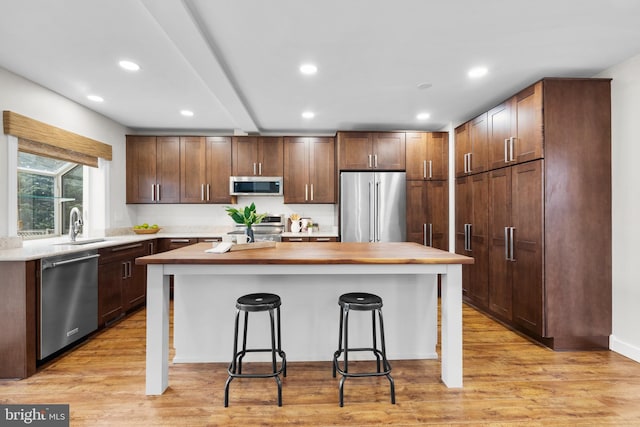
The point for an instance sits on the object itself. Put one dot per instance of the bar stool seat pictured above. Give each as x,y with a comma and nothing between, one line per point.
258,302
361,301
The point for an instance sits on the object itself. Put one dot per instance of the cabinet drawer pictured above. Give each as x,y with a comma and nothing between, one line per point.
309,239
120,252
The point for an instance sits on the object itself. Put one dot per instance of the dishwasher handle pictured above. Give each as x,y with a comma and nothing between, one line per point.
67,261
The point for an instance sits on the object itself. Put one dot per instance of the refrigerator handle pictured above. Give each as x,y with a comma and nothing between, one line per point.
371,213
377,212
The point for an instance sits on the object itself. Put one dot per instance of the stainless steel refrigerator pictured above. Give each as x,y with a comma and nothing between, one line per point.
373,207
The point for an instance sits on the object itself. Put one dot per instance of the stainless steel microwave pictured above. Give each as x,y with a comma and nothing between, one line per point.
255,185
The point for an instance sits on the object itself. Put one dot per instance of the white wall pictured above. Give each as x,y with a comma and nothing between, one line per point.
625,158
29,99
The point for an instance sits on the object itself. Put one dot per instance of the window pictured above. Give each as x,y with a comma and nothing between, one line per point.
47,190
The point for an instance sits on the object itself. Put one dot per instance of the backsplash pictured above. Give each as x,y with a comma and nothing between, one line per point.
194,217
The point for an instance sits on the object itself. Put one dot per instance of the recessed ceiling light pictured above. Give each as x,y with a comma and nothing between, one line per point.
95,98
308,69
423,116
186,113
477,72
129,66
425,85
308,114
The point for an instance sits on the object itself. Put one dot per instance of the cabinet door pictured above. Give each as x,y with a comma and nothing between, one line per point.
500,130
168,169
322,170
141,169
478,140
463,217
270,156
462,148
416,155
218,154
245,155
416,212
438,214
528,144
296,171
389,151
109,292
527,219
479,271
355,151
193,167
500,295
437,156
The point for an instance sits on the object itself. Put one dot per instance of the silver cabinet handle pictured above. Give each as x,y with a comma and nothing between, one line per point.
306,192
511,157
511,233
312,192
323,239
295,239
208,192
470,236
469,168
158,194
153,192
430,169
151,249
506,243
370,165
179,240
424,234
506,155
375,160
260,168
202,192
424,167
254,168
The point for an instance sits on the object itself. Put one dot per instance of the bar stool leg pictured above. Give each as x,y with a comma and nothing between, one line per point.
244,341
384,359
375,343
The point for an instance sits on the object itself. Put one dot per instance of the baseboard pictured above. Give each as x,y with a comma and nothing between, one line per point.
625,349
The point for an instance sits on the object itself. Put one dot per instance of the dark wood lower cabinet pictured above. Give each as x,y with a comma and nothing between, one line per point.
516,245
122,284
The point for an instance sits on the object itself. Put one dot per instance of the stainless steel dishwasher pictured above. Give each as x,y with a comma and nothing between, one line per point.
68,300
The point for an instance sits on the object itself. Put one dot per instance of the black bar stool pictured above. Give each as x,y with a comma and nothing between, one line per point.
255,303
360,301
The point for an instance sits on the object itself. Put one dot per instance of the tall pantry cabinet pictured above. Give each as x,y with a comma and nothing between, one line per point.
548,210
427,188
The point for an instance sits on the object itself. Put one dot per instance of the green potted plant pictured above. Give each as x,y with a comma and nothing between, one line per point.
246,216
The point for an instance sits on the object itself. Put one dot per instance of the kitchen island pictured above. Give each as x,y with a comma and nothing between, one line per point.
306,276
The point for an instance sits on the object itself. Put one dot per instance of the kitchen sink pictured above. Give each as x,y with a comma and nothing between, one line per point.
83,241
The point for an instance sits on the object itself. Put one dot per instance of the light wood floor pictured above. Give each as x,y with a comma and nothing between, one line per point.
507,381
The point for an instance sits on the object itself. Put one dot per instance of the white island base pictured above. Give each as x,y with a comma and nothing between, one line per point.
204,311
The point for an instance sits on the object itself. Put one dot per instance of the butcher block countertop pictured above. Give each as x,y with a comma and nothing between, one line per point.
312,253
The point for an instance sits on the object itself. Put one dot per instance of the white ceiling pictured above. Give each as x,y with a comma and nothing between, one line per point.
234,63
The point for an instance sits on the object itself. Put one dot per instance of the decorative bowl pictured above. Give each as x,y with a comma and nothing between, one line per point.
146,230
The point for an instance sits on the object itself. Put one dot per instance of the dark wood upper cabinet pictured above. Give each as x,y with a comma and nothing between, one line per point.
515,128
153,169
309,170
371,151
257,156
427,155
205,165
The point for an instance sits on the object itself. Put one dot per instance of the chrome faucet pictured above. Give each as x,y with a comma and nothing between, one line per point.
75,223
